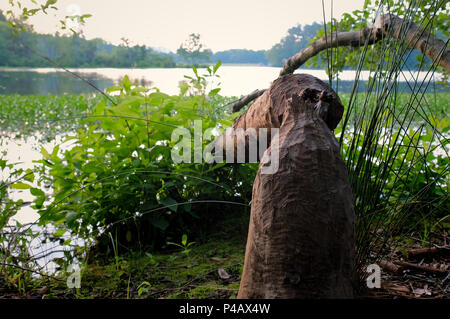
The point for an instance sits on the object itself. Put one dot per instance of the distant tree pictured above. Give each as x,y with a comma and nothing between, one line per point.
125,42
298,37
192,50
74,51
240,56
2,17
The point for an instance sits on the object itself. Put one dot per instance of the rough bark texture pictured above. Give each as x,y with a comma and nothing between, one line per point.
247,99
301,233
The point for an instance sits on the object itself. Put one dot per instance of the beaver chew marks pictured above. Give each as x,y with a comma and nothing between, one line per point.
301,234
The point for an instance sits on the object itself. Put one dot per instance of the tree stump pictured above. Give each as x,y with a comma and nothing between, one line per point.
301,234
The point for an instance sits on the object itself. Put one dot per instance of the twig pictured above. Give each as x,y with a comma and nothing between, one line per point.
33,271
50,253
416,278
239,104
387,265
427,251
420,267
445,279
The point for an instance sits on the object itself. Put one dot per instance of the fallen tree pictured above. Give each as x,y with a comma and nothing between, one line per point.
387,25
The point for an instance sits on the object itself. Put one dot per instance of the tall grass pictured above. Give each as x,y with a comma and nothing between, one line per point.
390,151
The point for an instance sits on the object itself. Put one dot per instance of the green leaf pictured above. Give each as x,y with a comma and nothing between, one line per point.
21,185
159,222
54,155
59,233
184,240
45,153
71,216
214,91
184,87
217,66
114,88
29,175
139,89
126,83
190,244
2,163
170,203
100,108
39,202
37,192
125,110
174,244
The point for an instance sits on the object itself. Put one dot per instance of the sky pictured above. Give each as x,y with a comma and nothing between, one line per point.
222,24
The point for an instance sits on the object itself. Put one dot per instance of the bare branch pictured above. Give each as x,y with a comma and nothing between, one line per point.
387,25
33,271
337,39
239,104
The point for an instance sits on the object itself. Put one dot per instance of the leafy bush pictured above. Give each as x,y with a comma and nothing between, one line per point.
118,175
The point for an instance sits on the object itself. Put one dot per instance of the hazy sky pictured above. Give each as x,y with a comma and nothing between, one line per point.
222,24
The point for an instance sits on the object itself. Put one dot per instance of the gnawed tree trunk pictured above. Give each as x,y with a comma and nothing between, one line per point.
301,233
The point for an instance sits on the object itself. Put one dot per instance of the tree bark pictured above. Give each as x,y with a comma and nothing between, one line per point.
387,25
301,234
247,99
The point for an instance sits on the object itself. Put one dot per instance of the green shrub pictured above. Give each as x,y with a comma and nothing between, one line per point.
118,176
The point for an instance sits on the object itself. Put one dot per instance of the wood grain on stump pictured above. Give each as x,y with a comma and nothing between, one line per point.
301,234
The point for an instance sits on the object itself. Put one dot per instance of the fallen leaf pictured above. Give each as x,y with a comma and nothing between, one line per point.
422,291
43,290
223,274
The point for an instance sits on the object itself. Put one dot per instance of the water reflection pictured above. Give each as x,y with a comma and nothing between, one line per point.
43,83
234,80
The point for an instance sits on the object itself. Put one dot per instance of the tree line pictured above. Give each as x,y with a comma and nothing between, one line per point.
73,51
76,51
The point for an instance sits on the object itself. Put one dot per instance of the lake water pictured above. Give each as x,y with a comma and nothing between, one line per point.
234,80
